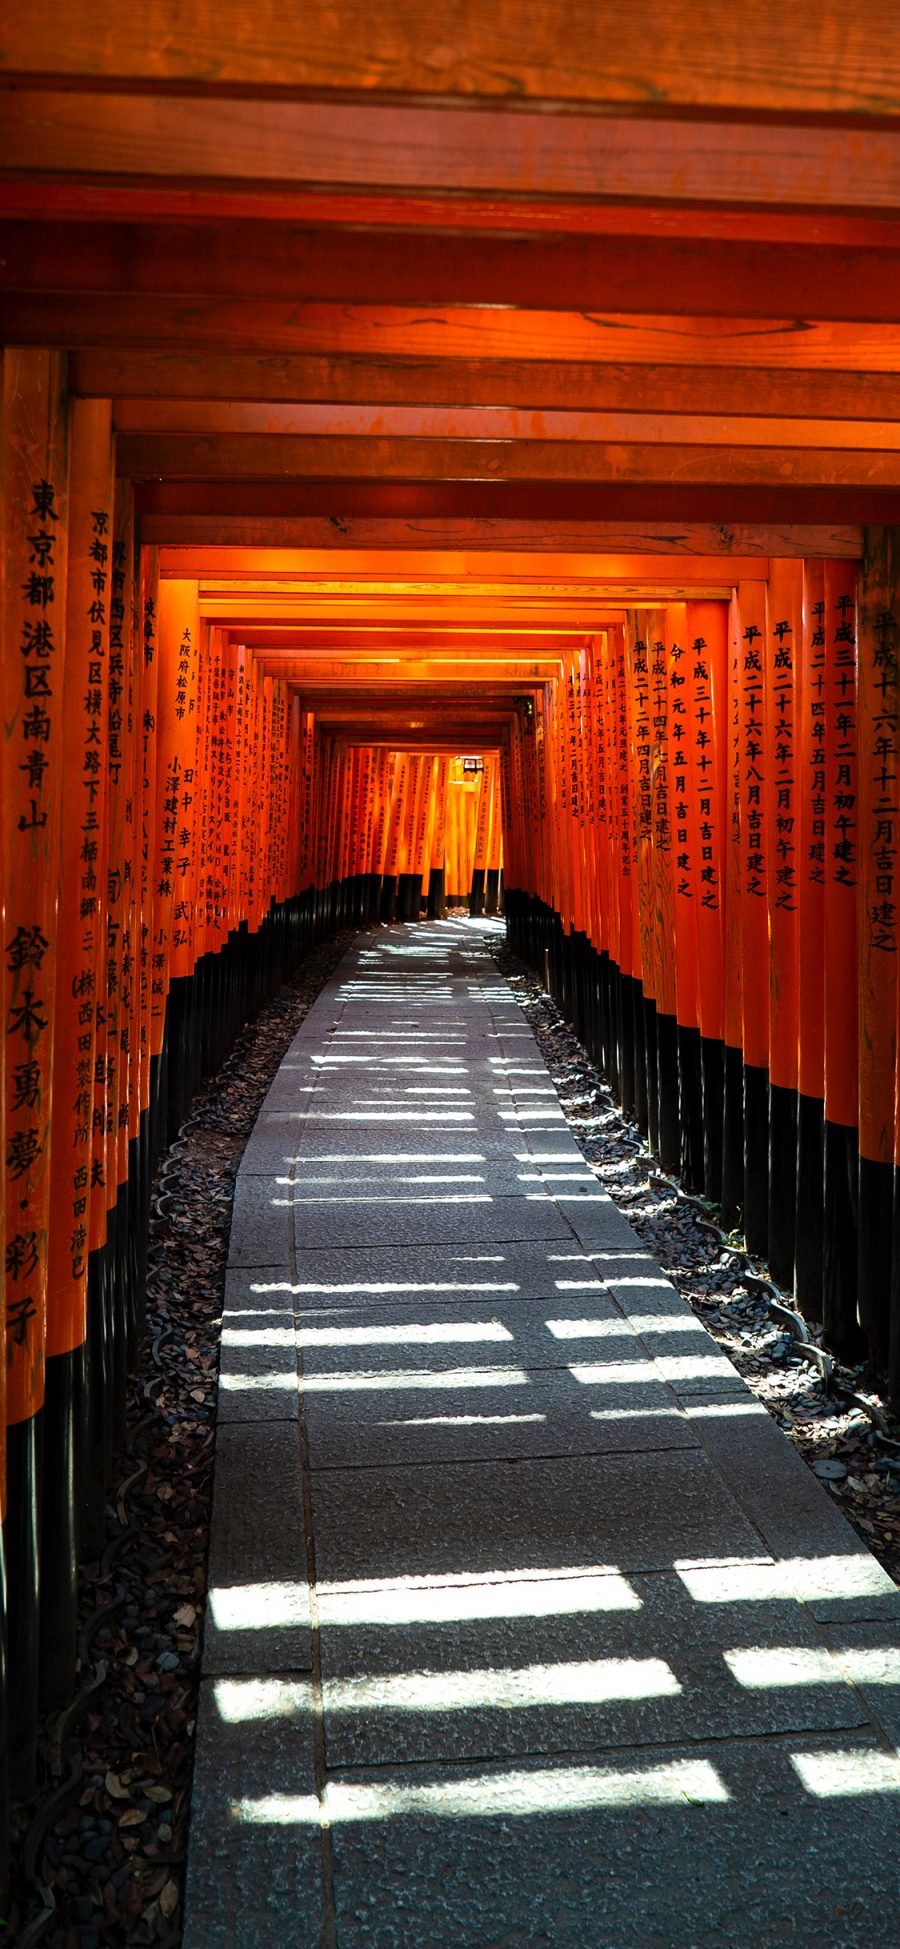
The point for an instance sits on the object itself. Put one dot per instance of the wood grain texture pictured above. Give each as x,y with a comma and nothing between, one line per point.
475,151
541,384
188,533
504,423
455,331
817,56
412,505
679,276
268,457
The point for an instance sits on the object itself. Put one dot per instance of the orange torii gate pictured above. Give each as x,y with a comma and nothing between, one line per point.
693,802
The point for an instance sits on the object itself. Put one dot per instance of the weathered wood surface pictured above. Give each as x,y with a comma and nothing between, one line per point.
270,456
731,277
479,152
816,56
752,543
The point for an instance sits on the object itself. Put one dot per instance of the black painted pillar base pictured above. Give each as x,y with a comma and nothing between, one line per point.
405,896
876,1217
651,1064
476,891
712,1071
492,903
23,1462
840,1250
732,1194
4,1734
690,1107
782,1183
388,898
373,898
756,1160
667,1076
436,902
894,1340
638,1013
58,1531
627,1055
91,1457
809,1241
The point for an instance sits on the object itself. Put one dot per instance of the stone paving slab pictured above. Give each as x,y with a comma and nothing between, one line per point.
498,1329
258,1369
258,1612
634,1512
253,1883
737,1843
414,1222
379,1419
655,1671
261,1223
489,1273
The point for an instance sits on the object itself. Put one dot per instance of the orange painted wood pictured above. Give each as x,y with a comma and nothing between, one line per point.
433,506
49,197
33,472
755,823
230,325
365,421
267,457
708,649
878,941
416,147
731,731
681,816
681,539
813,817
842,845
147,733
821,57
783,760
543,384
177,652
727,278
81,909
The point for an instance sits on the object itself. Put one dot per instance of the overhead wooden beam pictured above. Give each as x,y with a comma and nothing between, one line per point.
539,384
733,278
454,331
427,507
473,570
269,457
194,537
481,151
47,198
501,423
819,57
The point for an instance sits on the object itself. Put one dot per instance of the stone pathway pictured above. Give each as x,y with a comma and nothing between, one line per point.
527,1625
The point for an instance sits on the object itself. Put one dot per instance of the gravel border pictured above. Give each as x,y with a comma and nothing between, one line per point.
98,1859
842,1428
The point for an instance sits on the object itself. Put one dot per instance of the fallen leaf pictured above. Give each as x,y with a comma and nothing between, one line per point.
168,1900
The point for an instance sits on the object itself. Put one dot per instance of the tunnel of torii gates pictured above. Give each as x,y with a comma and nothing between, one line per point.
383,393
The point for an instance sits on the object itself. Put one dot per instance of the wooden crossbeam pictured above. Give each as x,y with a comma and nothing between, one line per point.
732,278
547,384
821,57
481,151
460,331
266,457
180,535
502,423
